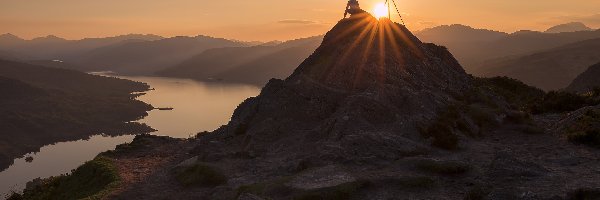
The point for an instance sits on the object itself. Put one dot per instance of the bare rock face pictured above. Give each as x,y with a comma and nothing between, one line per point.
359,96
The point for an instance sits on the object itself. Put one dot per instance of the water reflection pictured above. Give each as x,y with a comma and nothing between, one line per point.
198,106
56,159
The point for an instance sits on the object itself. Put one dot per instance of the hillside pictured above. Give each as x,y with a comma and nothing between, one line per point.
490,45
586,81
254,65
41,106
551,69
463,41
53,47
147,57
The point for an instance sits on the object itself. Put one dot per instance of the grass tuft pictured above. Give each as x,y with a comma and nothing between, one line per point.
199,175
92,180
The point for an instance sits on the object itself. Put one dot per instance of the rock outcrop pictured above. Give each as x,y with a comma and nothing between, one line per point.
360,95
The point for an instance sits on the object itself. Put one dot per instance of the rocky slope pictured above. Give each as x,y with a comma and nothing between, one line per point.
552,69
587,80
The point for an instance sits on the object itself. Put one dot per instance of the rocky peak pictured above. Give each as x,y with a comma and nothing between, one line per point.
362,52
369,84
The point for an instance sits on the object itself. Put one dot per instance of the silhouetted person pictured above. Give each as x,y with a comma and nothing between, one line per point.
353,7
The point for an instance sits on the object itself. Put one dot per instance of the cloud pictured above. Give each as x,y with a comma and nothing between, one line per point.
296,21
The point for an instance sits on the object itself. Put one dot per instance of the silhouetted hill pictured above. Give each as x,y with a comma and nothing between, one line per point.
463,41
489,45
52,47
255,65
550,69
568,27
42,105
586,81
10,41
148,57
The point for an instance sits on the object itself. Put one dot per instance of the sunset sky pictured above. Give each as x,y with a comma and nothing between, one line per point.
270,19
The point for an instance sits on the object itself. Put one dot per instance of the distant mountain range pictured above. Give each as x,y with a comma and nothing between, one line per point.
551,69
473,46
568,27
588,80
254,65
147,57
52,47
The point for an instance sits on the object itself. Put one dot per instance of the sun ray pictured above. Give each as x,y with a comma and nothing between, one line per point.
364,58
351,49
408,41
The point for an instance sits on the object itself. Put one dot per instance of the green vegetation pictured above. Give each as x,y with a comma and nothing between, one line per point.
477,193
338,192
92,180
584,194
265,188
589,137
199,174
441,131
442,167
556,102
586,129
515,92
530,99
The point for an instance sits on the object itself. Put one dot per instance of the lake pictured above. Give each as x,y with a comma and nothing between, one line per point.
197,106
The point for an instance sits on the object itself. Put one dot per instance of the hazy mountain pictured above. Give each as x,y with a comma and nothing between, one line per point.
147,57
42,105
568,27
551,69
487,45
53,47
587,80
255,65
10,41
463,41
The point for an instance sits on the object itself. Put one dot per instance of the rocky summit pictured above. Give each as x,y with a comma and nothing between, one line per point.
359,96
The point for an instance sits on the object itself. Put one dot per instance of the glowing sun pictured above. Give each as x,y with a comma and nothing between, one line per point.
380,10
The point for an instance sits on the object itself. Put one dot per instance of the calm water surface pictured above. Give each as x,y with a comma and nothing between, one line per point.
197,106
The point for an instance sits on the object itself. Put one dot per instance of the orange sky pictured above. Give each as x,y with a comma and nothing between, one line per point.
270,19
